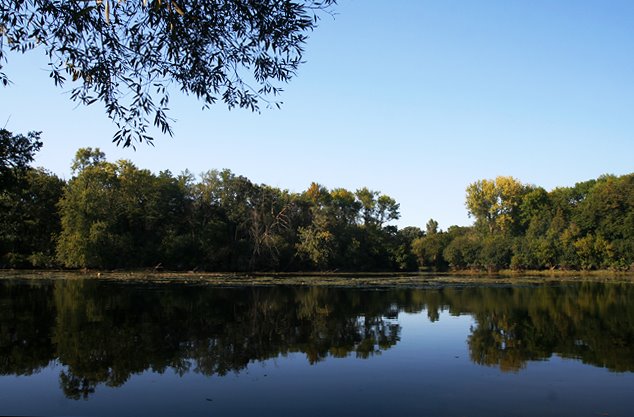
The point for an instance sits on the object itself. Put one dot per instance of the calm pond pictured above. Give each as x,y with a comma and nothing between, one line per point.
109,348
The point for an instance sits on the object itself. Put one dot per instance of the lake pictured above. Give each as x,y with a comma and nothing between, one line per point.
95,347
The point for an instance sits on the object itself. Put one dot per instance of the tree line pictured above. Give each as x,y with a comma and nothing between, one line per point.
524,227
113,215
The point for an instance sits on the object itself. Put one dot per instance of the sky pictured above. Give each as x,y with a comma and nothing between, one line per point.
415,99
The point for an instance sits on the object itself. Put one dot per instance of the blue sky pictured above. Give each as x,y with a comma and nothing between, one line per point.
416,99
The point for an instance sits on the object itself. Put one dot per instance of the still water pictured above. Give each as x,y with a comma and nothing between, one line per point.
82,347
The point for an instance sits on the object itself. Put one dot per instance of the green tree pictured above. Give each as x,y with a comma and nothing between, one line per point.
29,220
496,203
535,204
402,254
317,243
127,54
116,215
608,212
496,253
464,249
429,251
330,215
89,213
344,206
348,231
175,220
539,247
16,154
228,202
87,157
150,207
377,208
431,227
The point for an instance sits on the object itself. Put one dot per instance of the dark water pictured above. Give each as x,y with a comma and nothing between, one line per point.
97,348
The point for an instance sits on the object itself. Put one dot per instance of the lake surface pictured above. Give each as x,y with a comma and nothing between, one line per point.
88,347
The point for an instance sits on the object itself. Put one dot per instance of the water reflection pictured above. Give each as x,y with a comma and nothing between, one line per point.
104,332
590,322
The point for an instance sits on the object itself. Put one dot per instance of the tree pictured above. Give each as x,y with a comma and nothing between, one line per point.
464,249
431,227
496,203
403,257
495,253
85,157
535,204
28,198
269,220
317,243
16,153
344,206
377,209
331,215
89,212
29,220
429,250
115,215
128,54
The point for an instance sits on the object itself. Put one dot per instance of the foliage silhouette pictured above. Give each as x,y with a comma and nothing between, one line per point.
130,55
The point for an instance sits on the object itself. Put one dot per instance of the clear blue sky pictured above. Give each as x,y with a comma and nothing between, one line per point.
416,99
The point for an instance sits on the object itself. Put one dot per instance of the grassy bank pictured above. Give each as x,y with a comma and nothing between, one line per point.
370,280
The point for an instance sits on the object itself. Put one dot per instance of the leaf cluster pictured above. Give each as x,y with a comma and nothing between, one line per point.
16,153
129,55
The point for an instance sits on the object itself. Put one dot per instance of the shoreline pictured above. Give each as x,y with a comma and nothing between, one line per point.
330,279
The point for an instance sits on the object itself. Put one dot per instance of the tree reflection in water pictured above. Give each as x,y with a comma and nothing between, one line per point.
104,332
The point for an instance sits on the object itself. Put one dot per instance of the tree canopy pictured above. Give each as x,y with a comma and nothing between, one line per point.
519,226
16,153
115,215
129,54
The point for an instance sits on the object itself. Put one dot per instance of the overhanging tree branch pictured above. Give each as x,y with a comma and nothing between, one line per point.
127,54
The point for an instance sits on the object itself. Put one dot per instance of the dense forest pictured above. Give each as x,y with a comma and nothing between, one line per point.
112,215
